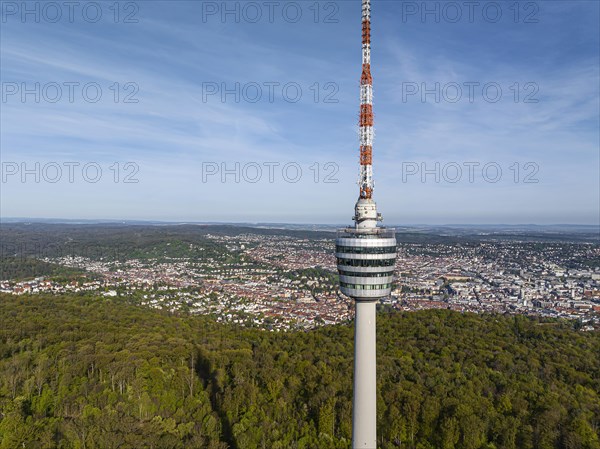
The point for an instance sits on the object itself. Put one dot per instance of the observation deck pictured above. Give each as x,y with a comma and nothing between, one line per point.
365,260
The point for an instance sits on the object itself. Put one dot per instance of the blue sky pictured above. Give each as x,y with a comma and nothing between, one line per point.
175,58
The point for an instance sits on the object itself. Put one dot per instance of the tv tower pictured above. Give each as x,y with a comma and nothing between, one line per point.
366,256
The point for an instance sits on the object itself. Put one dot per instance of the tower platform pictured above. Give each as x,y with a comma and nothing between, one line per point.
365,262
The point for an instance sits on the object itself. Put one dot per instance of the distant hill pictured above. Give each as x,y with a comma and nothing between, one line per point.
24,238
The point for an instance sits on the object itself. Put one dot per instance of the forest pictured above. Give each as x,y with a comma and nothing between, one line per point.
27,268
82,371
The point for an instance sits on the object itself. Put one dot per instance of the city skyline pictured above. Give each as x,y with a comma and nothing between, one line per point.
180,130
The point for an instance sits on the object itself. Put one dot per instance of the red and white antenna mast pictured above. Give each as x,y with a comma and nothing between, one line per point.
366,132
366,215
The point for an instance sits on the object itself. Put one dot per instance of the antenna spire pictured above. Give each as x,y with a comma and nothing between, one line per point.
366,215
366,132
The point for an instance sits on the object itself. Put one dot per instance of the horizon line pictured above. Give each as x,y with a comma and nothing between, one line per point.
256,223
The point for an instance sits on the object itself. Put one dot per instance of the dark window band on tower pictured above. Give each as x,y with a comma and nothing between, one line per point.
367,263
365,286
365,250
366,275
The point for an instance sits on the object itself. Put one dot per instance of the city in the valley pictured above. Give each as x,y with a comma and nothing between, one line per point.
283,278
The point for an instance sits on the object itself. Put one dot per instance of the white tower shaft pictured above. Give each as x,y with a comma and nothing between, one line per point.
364,415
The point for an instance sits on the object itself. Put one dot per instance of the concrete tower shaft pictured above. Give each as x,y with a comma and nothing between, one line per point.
364,411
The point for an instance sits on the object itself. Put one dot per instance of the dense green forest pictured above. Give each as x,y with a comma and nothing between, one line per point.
89,372
107,242
26,268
